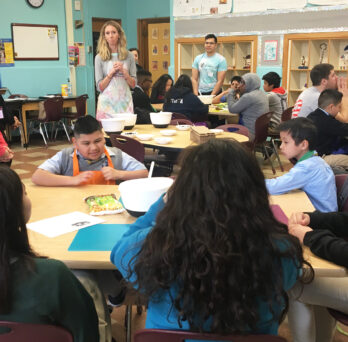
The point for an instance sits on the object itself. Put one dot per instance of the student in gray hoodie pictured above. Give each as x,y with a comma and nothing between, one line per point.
252,103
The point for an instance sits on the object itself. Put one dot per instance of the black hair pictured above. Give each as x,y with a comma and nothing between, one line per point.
236,78
329,96
134,49
13,233
143,74
184,81
319,72
209,36
272,78
159,86
216,240
301,129
86,125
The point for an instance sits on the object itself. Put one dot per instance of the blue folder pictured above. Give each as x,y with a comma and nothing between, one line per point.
100,237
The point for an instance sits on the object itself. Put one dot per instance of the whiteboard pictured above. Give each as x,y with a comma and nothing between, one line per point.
35,42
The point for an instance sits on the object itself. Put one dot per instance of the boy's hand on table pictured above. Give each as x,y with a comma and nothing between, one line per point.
299,218
110,173
82,177
299,231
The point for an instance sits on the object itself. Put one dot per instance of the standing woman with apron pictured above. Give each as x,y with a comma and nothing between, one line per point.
115,72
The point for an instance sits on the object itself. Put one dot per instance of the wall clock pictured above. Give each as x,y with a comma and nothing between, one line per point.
35,3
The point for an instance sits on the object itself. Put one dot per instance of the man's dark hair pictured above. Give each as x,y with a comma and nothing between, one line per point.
272,78
134,49
209,36
301,129
319,72
329,96
86,125
142,75
236,78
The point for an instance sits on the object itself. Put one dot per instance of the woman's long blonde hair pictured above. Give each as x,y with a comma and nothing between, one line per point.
103,48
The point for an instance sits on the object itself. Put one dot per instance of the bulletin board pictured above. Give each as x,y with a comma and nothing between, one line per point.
35,42
159,49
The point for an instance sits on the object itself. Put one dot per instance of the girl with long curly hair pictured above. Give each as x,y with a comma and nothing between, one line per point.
115,72
160,88
210,256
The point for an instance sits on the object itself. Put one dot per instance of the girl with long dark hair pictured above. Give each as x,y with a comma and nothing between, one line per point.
210,256
160,88
35,289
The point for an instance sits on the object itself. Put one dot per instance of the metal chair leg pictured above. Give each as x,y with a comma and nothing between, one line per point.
129,323
269,159
66,132
277,155
42,133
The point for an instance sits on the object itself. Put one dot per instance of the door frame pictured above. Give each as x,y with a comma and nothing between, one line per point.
142,33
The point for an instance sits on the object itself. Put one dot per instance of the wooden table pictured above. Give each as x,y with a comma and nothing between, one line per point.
180,140
52,201
24,105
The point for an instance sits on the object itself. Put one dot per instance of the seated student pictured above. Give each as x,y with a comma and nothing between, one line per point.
310,173
135,53
207,258
277,99
181,99
251,104
331,143
89,161
6,154
140,95
160,88
222,97
325,234
6,118
35,289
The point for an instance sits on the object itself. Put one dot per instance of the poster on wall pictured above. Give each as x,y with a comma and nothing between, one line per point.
270,50
216,6
183,8
240,6
6,53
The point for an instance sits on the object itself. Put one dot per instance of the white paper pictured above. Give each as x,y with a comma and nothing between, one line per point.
183,8
240,6
328,2
59,225
215,7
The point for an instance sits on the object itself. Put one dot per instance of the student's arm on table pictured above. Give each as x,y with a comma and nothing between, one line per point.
194,78
296,178
219,83
343,88
46,178
110,173
217,98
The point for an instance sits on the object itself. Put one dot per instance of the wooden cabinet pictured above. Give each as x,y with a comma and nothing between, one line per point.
233,48
307,50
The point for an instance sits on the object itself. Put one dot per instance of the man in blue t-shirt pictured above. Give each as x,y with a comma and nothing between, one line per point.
208,69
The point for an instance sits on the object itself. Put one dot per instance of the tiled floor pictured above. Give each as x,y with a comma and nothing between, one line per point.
27,160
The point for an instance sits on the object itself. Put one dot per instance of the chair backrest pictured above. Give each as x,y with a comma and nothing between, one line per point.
261,128
128,145
342,191
15,96
179,116
80,103
286,115
181,122
53,108
154,335
235,128
338,316
34,332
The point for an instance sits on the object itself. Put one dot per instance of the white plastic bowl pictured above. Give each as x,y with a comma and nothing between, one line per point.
206,99
216,131
129,119
139,194
144,137
113,125
161,119
183,127
168,132
163,140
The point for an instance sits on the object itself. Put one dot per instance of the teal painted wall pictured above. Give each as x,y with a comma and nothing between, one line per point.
35,78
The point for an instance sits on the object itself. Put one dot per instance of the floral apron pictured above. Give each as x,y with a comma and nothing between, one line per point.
97,177
116,97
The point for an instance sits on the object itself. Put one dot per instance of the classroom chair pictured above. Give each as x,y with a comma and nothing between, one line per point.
341,318
342,196
18,332
235,128
81,110
181,122
179,116
128,145
154,335
18,114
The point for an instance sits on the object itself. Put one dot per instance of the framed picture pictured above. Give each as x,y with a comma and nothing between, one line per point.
166,34
165,66
154,34
165,49
271,50
154,49
154,65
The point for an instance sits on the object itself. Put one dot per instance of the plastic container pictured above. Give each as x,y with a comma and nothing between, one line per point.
64,90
